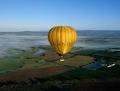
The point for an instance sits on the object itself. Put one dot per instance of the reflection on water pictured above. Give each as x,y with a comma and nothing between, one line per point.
93,66
87,39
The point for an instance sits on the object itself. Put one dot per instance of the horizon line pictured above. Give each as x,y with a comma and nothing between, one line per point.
76,30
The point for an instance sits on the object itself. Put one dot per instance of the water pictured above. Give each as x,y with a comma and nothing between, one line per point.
96,65
93,66
86,39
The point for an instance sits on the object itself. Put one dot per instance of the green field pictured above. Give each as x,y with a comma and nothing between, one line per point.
22,70
25,59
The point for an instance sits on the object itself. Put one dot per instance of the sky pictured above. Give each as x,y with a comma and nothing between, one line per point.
38,15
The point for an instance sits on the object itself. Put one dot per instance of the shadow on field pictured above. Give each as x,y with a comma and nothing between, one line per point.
39,85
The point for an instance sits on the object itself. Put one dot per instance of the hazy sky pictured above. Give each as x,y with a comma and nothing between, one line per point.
25,15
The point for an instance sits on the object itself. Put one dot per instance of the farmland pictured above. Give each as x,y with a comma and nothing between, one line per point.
42,69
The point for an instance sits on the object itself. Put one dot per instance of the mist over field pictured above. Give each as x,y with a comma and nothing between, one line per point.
86,39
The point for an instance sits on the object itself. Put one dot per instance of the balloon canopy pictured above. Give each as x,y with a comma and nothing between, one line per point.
62,38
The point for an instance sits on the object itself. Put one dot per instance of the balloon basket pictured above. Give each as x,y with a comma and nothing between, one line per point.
61,59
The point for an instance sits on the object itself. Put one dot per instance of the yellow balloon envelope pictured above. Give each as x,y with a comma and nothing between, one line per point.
62,38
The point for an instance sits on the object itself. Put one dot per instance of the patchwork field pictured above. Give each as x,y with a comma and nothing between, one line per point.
24,64
39,69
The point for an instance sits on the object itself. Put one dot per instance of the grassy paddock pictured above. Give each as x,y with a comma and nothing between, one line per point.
77,61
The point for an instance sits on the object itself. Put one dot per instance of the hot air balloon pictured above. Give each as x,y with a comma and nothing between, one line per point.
62,39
